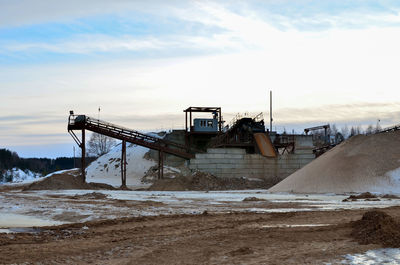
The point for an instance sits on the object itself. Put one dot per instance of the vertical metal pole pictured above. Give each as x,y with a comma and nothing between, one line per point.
220,120
190,122
190,130
83,161
270,111
186,121
326,135
123,164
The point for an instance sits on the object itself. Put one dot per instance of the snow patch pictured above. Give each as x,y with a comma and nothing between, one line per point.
375,256
395,176
18,175
107,168
389,183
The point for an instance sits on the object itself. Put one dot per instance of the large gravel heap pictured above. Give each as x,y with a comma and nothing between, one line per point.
360,164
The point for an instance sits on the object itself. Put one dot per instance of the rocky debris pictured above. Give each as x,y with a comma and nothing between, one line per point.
205,181
377,227
91,196
241,251
370,197
390,196
253,199
365,195
169,172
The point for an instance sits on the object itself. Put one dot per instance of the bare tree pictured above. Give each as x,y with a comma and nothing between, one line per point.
345,131
100,144
355,130
333,129
369,130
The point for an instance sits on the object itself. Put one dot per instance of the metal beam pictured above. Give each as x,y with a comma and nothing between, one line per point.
123,164
83,158
84,122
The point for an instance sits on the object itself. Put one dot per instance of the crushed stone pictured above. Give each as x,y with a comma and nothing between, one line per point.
361,163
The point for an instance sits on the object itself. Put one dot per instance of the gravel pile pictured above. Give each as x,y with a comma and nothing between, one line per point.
205,181
360,164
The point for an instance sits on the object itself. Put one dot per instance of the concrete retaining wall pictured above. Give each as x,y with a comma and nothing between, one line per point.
234,162
176,136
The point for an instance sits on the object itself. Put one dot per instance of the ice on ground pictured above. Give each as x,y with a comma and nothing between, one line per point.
18,175
10,220
376,256
106,169
71,206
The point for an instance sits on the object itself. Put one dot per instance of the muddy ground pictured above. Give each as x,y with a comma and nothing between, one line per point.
222,238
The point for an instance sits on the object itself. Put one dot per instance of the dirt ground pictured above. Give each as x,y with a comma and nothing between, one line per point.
223,238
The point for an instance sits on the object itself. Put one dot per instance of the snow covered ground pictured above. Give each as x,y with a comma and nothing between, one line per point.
30,180
106,169
18,175
382,256
74,205
389,184
21,210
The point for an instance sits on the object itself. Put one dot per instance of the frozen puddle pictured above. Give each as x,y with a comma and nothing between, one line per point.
70,206
11,222
377,256
20,230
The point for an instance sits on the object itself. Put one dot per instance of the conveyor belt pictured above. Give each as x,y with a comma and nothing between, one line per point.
83,122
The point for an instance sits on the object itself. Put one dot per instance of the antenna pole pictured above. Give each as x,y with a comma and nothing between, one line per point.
270,111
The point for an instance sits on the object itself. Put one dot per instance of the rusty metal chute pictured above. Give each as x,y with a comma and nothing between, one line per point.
265,145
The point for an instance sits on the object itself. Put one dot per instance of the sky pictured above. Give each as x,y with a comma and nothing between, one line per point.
143,62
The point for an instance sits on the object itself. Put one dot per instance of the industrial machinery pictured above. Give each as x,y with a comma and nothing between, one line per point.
83,122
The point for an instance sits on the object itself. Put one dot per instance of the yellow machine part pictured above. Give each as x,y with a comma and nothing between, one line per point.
265,145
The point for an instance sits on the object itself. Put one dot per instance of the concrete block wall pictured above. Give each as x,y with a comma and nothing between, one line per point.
176,136
234,162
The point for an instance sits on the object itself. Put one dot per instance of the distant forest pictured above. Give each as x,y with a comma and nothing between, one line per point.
9,160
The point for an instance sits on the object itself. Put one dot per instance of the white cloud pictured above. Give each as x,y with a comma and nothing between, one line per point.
337,75
85,44
26,12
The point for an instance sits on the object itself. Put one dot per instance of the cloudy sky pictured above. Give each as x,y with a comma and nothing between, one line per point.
143,62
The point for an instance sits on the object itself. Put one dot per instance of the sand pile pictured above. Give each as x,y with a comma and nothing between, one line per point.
205,181
67,180
360,164
377,227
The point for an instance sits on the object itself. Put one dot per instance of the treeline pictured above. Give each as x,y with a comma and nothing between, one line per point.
9,160
355,130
